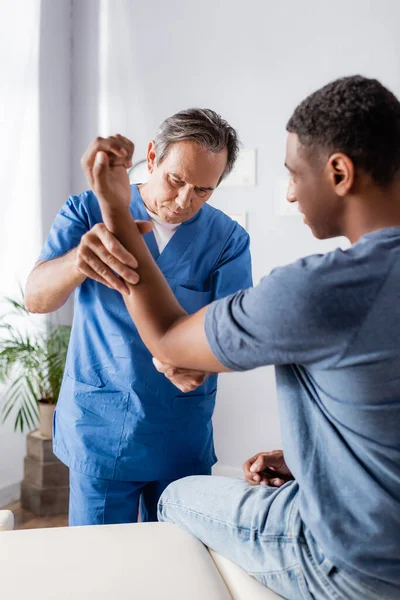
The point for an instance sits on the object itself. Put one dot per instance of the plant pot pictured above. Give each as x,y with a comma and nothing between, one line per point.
46,412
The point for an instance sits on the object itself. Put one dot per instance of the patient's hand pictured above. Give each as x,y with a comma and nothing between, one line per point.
105,165
185,380
102,257
267,468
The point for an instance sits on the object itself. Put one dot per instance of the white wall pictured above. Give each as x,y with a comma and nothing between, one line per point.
69,93
124,66
252,62
84,84
55,85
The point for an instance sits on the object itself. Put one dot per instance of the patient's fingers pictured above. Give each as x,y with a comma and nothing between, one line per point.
119,149
252,478
267,468
272,481
127,144
256,471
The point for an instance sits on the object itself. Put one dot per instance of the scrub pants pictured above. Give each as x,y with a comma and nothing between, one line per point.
96,501
260,529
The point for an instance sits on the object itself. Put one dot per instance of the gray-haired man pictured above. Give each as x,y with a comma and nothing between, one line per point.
123,428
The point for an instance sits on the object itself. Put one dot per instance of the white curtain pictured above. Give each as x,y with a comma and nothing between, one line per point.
20,230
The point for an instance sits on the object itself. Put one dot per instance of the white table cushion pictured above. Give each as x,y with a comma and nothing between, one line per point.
239,583
145,561
6,520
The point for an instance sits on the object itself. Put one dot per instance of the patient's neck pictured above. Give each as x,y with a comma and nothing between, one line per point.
378,209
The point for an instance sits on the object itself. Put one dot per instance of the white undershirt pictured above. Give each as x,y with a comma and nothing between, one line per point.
163,232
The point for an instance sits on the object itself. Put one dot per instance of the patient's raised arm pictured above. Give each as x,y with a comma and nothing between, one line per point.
168,331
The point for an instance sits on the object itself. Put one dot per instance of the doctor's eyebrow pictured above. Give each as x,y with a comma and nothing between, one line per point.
176,176
203,189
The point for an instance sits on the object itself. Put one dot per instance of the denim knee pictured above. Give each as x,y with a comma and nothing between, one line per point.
174,494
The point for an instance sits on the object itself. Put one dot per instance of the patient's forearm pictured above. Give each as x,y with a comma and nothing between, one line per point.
151,304
168,331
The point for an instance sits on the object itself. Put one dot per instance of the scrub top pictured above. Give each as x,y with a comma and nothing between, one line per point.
117,417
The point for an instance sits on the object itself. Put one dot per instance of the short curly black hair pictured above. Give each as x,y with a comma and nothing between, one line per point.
357,116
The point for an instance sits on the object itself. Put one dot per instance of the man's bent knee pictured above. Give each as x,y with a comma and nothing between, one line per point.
178,493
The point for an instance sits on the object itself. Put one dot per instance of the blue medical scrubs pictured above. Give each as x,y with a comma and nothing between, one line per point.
117,418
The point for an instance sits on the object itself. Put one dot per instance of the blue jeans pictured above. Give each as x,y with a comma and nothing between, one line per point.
260,529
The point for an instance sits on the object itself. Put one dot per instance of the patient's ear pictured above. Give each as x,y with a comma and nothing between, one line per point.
341,173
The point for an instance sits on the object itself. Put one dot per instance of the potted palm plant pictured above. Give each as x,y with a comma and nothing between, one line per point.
32,361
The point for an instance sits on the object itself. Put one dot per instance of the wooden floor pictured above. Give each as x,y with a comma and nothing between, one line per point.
27,520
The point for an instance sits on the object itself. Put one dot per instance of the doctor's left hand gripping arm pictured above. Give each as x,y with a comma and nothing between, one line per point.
171,335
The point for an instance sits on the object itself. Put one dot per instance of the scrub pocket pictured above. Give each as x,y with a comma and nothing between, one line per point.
192,300
190,444
90,423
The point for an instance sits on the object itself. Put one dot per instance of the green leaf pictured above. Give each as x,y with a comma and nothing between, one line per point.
32,363
7,412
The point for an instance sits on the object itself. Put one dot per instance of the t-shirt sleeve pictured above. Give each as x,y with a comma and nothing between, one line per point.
70,224
297,314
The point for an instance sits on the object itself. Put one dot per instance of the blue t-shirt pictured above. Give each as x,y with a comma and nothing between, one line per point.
331,326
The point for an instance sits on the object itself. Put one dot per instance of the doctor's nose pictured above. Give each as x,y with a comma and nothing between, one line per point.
184,198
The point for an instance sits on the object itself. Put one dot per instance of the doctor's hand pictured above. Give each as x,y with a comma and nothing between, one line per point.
267,468
105,165
185,380
102,257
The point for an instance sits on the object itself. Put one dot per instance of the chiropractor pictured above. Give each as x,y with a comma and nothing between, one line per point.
125,430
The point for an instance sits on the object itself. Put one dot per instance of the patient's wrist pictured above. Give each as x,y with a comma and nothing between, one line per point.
117,218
